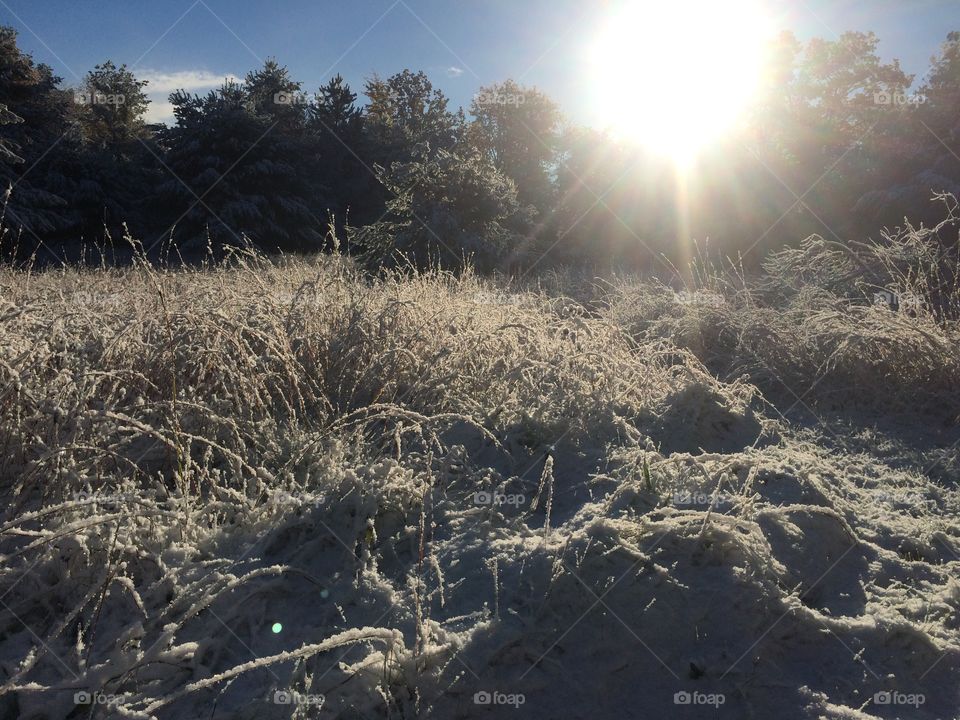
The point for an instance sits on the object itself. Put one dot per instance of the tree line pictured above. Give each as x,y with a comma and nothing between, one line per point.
837,144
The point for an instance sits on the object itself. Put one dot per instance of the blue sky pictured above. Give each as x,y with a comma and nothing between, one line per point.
461,44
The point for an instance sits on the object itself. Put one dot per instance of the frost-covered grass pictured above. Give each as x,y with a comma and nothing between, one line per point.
261,476
818,327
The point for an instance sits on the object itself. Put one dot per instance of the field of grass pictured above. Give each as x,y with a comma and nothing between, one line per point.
280,488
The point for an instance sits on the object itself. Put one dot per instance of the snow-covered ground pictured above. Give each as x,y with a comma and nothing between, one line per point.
286,492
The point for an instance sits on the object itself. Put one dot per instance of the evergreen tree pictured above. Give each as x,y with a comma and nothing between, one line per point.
446,209
272,95
240,157
349,190
518,127
114,102
116,170
919,152
406,111
45,140
7,152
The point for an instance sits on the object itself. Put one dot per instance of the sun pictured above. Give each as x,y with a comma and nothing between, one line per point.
676,75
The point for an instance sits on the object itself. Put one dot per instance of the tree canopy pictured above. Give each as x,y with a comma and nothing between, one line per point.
836,144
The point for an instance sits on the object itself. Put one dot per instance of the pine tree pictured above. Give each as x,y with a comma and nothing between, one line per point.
7,151
240,158
447,209
116,168
44,141
349,189
405,111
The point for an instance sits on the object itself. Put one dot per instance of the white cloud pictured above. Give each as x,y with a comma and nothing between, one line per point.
164,83
454,71
159,111
190,80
